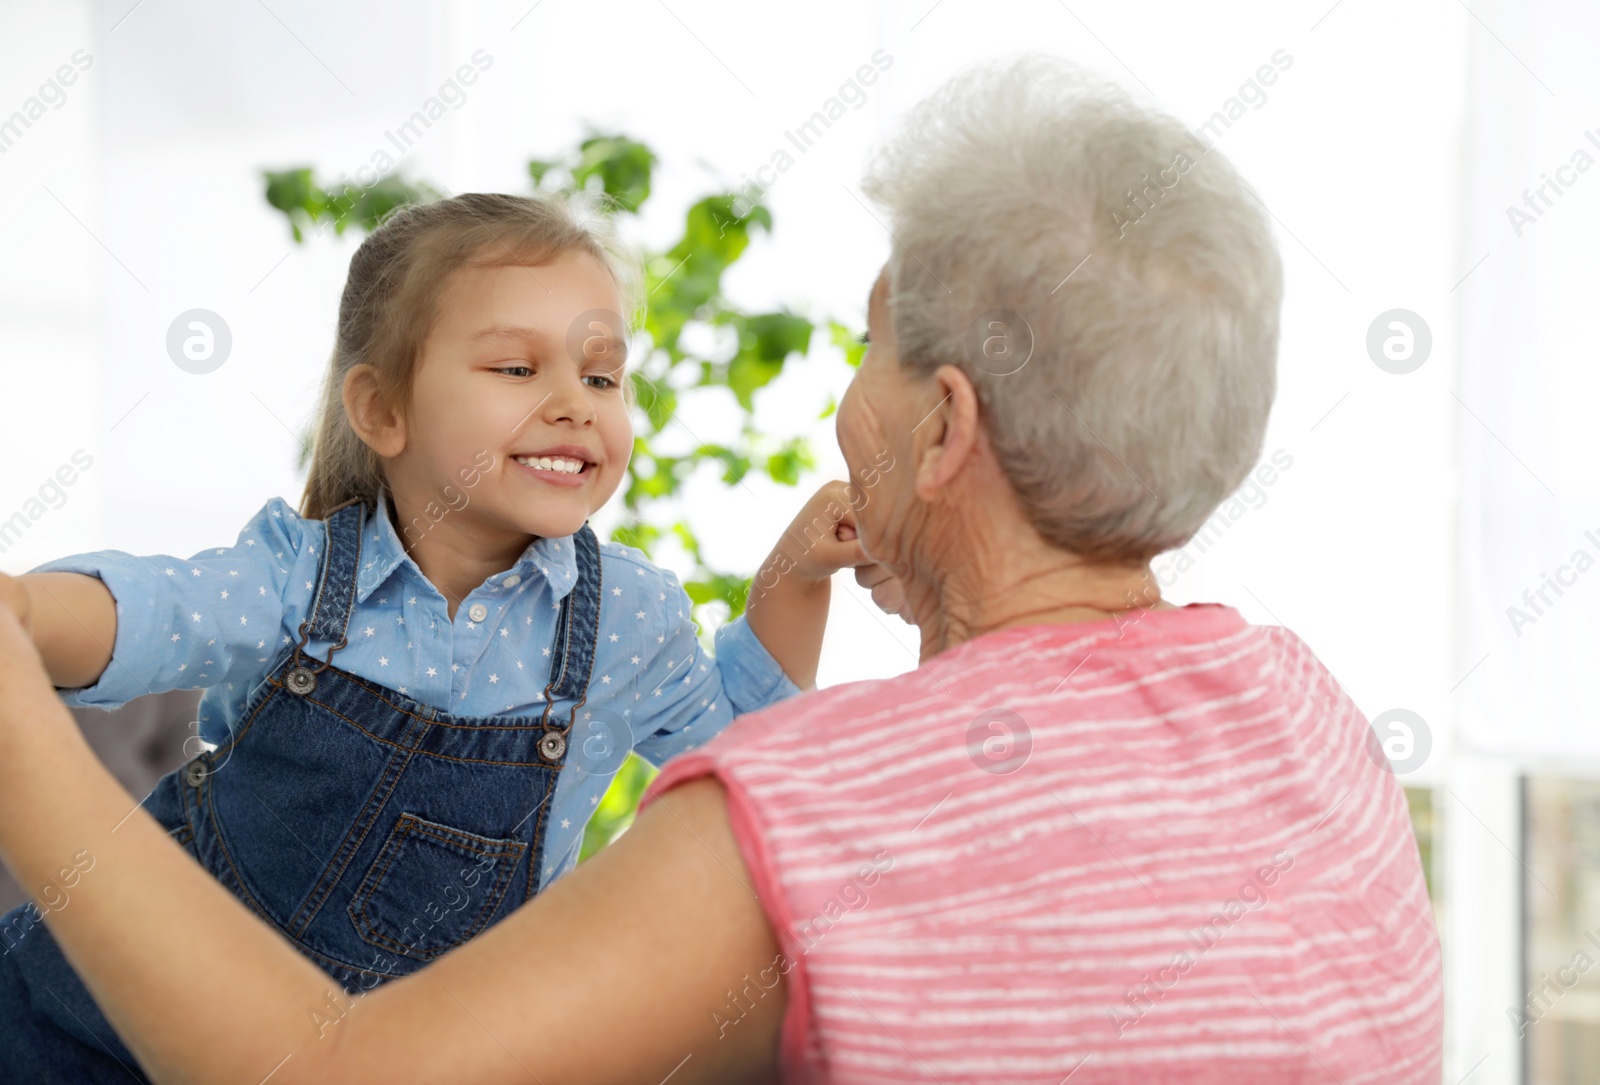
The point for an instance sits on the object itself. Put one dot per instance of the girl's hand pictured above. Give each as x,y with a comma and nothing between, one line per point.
787,607
15,598
887,590
822,539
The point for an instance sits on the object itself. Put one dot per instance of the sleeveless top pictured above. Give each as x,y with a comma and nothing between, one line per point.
1162,849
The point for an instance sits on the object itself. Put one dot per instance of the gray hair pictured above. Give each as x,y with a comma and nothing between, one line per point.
1035,226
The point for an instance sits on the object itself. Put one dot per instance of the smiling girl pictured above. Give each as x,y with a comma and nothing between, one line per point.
496,662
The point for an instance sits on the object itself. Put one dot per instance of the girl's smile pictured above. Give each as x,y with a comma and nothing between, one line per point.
521,376
503,370
563,465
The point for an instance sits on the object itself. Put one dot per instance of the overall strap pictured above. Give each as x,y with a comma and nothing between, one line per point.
577,630
336,587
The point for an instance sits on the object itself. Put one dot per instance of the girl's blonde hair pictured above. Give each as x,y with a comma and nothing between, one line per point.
391,299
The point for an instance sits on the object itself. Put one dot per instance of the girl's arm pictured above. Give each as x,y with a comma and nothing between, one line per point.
679,696
620,972
73,620
113,626
788,603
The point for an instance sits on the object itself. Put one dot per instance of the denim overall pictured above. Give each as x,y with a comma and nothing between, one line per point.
374,832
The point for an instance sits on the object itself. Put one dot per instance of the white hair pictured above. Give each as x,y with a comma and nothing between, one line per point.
1134,262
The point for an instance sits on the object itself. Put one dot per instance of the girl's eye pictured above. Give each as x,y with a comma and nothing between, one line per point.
606,383
510,368
862,339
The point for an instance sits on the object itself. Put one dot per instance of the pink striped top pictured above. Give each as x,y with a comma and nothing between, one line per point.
1153,850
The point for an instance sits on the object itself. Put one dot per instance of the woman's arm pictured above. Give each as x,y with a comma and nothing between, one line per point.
112,626
620,972
73,620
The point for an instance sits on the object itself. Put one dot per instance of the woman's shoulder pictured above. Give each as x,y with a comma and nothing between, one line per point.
1178,647
796,728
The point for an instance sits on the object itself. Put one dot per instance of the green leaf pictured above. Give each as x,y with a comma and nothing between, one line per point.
616,809
747,374
718,588
367,207
640,534
777,335
734,465
786,465
537,168
622,165
701,591
662,482
296,194
688,539
847,341
765,343
658,400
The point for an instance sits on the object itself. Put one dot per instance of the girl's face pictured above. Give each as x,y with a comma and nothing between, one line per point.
518,405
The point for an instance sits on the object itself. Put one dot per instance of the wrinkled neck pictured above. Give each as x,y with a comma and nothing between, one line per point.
980,574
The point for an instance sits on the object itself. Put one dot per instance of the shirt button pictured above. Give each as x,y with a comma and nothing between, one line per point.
478,612
511,581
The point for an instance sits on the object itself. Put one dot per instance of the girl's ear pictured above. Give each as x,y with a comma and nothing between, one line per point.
374,420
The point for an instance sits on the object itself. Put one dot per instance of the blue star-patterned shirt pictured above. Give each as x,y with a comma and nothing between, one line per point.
219,619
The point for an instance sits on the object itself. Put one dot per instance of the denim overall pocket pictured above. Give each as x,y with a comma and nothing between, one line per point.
374,831
462,877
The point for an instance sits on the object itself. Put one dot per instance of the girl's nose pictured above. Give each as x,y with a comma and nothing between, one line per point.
568,402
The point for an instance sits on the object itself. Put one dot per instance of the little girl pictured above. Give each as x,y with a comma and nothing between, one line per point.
495,662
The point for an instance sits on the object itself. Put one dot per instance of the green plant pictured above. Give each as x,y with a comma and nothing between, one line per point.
684,291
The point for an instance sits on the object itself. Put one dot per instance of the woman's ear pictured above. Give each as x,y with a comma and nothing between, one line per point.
952,431
374,420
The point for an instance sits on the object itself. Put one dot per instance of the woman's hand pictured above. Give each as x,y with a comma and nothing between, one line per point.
15,598
23,679
71,619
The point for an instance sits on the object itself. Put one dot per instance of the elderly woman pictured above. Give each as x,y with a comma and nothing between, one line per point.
1092,836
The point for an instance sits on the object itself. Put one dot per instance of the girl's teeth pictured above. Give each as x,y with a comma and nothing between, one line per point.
546,463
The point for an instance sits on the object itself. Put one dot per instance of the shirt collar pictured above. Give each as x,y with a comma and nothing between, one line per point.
382,553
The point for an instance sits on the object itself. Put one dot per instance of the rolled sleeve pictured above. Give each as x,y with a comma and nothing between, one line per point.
751,678
685,696
141,623
190,623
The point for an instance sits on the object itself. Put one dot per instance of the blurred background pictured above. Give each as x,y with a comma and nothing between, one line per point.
1429,164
